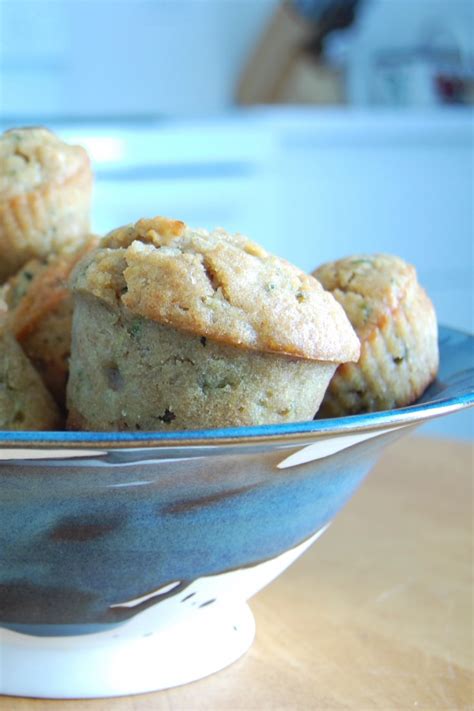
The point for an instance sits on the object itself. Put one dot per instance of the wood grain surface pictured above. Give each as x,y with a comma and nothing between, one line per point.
376,615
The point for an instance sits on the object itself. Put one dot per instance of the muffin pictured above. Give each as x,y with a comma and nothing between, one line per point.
40,315
25,404
396,323
45,194
177,328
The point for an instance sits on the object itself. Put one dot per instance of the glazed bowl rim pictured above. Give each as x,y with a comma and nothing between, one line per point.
440,404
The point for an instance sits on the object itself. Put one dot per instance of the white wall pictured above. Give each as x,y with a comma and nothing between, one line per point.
125,57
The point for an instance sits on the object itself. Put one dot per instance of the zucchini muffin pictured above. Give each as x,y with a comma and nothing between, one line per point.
40,315
177,328
25,404
45,194
396,323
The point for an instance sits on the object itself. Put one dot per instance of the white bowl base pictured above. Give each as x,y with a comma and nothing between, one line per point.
129,659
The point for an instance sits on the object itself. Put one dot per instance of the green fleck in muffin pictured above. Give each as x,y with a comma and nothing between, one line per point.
177,328
396,323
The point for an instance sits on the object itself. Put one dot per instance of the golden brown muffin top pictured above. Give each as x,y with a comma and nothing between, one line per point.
369,287
39,288
32,157
220,286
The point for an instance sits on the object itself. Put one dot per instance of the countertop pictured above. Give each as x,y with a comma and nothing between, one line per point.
376,615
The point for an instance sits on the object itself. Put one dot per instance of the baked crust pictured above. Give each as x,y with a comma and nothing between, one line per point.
45,194
396,323
131,373
34,157
25,403
220,286
40,314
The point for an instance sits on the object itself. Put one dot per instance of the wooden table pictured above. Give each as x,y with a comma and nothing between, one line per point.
376,615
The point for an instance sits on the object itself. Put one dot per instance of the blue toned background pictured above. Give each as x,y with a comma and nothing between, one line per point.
363,144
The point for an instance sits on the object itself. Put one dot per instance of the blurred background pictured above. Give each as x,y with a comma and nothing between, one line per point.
320,128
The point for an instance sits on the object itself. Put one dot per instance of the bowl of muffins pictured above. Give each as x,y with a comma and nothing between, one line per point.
182,414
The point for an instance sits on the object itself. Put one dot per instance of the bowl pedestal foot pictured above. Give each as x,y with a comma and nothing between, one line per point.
129,659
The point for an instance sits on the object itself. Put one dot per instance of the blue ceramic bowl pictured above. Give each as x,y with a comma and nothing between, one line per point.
97,529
